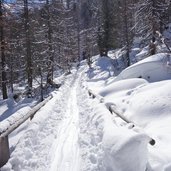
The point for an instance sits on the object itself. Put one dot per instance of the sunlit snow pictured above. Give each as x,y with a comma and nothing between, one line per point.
74,132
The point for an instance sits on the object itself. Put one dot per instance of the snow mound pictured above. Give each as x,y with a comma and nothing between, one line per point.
123,148
102,68
156,99
147,102
154,68
115,87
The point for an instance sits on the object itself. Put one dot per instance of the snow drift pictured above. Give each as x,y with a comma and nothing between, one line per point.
153,68
146,101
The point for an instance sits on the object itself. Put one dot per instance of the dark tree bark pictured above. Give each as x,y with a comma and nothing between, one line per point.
50,49
3,60
28,45
103,37
126,33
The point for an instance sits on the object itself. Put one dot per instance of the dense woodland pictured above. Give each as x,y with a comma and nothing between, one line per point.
40,37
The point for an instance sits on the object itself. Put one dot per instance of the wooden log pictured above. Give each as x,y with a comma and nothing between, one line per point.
4,150
4,144
17,123
113,109
93,95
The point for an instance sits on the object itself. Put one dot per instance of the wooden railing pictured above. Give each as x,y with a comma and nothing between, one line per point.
93,95
114,110
4,143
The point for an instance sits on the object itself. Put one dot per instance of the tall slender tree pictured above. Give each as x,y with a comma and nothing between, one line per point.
3,59
50,48
29,68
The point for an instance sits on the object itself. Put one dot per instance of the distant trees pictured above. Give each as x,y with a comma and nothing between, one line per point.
109,26
42,37
115,26
150,17
126,24
89,17
123,20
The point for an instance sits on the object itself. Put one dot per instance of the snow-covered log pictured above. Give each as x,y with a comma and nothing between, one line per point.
113,109
4,144
6,131
93,95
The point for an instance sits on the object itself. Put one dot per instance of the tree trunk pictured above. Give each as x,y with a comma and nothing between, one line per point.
51,57
11,73
126,33
3,60
152,46
28,45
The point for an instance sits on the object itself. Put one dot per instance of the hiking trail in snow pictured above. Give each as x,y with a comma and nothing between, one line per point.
67,147
62,136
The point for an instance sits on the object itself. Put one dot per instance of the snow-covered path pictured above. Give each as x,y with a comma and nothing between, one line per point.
67,157
73,132
62,136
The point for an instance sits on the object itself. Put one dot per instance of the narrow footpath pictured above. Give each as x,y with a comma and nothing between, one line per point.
67,156
62,136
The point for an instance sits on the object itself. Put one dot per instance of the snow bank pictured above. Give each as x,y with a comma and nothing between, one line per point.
145,103
122,85
113,147
102,68
139,99
151,100
123,147
154,68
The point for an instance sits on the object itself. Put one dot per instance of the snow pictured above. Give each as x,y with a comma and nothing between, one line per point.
153,68
147,104
67,142
74,132
167,34
143,53
9,107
